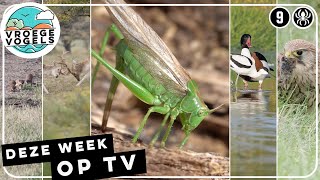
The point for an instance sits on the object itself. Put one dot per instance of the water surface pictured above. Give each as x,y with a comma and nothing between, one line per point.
253,133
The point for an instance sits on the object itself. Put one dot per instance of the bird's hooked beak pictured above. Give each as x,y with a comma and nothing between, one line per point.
292,58
289,55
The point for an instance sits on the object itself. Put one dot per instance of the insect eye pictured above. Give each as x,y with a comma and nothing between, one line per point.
299,53
202,112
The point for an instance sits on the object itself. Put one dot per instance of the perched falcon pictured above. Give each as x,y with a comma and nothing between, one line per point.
297,72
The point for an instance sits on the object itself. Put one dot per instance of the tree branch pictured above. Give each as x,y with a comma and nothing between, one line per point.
171,162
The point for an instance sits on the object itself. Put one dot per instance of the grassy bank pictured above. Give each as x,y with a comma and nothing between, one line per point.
67,114
23,124
66,110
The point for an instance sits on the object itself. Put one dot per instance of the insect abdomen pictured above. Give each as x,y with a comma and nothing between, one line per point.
136,72
139,74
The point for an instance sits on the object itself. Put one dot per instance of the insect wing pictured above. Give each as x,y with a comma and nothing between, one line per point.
149,49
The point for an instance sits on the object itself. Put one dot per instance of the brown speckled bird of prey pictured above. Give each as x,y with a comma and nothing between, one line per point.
297,72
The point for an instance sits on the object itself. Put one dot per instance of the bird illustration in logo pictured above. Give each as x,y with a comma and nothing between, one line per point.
29,18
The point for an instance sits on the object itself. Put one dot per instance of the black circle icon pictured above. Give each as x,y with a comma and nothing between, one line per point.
302,18
279,17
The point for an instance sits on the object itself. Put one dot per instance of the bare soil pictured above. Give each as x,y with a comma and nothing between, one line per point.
18,68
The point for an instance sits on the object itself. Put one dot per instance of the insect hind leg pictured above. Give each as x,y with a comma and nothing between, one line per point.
112,89
156,136
173,116
157,109
116,31
113,28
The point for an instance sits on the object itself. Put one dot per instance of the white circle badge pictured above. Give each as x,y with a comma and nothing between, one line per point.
29,30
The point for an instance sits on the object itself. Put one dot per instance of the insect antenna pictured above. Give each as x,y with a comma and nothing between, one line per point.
215,109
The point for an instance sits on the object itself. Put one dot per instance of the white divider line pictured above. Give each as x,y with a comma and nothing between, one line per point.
187,5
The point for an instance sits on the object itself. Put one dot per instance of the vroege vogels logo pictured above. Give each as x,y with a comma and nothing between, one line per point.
29,30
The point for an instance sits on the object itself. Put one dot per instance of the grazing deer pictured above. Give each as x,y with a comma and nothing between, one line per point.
80,70
21,83
54,70
12,86
29,79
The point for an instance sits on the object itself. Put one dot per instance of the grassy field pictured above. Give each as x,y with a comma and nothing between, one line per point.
23,124
66,110
66,114
67,106
22,127
296,126
262,32
296,140
23,109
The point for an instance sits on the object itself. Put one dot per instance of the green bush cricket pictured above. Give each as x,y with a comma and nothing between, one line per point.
146,66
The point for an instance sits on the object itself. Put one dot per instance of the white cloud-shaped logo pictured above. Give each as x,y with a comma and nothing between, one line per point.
45,15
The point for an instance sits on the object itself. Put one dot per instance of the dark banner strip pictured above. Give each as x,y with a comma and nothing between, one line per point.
99,165
89,157
46,151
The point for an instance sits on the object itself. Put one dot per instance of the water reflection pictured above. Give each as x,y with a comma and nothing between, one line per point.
253,133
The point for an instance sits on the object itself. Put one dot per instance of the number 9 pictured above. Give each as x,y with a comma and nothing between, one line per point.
279,17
